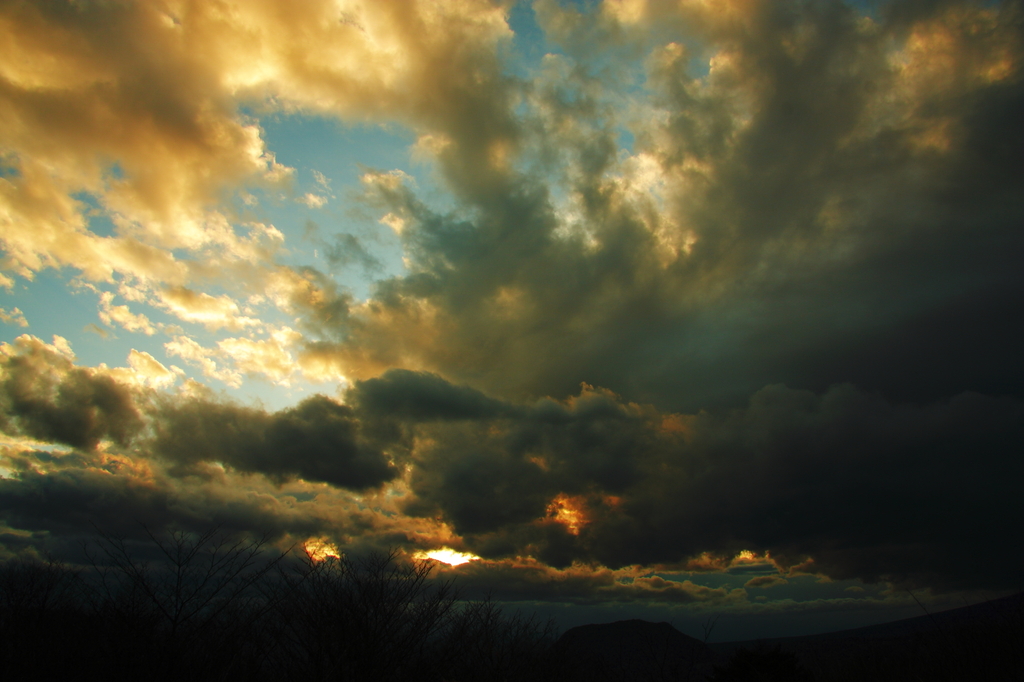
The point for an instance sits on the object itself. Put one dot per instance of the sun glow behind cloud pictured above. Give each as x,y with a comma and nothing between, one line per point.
448,556
320,549
569,511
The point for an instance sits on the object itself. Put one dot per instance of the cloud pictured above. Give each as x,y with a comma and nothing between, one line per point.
348,249
14,316
421,396
261,357
318,440
72,74
525,579
322,179
44,396
843,483
801,183
194,354
57,503
213,312
776,243
99,331
312,200
150,370
867,488
182,150
123,317
238,357
810,211
766,581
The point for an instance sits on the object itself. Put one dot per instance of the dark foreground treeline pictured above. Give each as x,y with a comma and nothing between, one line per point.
209,607
213,608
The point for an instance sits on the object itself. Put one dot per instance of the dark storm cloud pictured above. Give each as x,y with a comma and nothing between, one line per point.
890,246
919,494
421,396
318,440
43,395
67,506
837,203
69,500
869,489
492,472
839,238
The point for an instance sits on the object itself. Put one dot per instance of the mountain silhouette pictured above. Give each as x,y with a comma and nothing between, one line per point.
994,612
981,641
632,650
977,642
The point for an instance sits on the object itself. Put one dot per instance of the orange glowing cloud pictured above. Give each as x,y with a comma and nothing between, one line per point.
570,511
319,549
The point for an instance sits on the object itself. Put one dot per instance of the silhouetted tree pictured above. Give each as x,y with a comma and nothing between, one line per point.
485,644
379,618
212,606
363,619
39,606
191,611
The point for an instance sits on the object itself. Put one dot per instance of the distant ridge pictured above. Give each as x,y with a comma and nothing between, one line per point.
632,650
980,642
983,641
963,616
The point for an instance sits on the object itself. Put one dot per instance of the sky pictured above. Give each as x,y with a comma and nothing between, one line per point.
654,309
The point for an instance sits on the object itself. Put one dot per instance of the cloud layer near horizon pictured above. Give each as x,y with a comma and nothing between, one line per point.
791,298
865,488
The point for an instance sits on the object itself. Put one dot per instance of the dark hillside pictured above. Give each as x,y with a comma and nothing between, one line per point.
631,650
978,642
